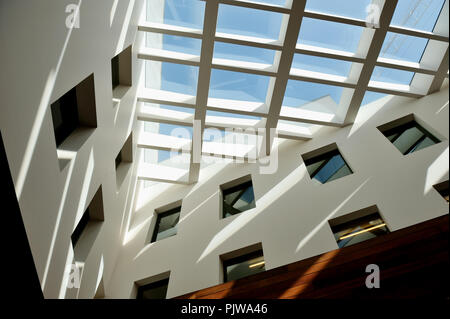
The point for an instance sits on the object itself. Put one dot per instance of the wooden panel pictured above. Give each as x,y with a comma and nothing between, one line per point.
413,262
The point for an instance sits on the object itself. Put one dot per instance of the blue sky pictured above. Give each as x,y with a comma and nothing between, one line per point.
264,24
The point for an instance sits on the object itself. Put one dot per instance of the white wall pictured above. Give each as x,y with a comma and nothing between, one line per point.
290,218
41,59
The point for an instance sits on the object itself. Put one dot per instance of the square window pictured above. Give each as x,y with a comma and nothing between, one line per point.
88,227
121,69
118,159
238,196
407,135
326,164
123,160
243,266
65,116
154,290
358,226
75,109
166,224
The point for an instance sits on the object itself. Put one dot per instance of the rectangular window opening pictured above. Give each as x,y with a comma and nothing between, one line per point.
237,196
166,224
358,226
407,135
326,164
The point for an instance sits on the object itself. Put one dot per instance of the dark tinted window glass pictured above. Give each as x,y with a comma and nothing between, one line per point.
238,199
118,159
359,230
65,116
80,228
327,167
410,137
155,290
166,224
244,266
115,71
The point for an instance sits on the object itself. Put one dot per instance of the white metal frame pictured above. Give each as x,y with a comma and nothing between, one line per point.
430,73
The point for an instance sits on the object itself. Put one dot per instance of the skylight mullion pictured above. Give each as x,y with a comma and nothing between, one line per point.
245,67
168,56
440,75
324,79
257,5
278,87
371,59
206,56
249,41
335,18
418,33
403,65
328,53
170,29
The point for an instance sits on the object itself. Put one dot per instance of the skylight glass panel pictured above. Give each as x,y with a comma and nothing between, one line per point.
183,13
171,77
180,131
173,43
403,47
329,35
248,22
421,15
238,86
322,65
349,8
312,96
243,53
388,75
370,97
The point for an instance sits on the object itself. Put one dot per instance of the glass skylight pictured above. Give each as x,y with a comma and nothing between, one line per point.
322,65
184,13
312,96
249,42
403,47
388,75
238,86
248,22
421,15
243,53
348,8
174,77
329,35
173,43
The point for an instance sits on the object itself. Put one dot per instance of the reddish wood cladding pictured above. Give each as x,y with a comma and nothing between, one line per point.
413,262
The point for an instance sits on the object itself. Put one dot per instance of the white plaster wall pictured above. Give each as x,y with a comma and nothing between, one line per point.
41,59
290,218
